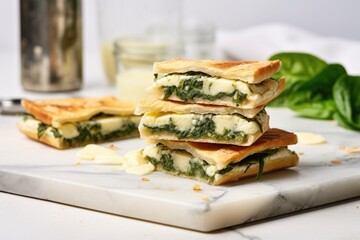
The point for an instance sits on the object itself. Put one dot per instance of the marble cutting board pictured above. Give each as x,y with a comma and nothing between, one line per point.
327,173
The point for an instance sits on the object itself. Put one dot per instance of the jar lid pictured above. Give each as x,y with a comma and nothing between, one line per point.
146,48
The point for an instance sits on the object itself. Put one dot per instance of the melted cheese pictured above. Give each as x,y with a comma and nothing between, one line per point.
141,169
185,122
308,138
135,163
90,151
109,159
32,123
68,130
111,124
213,86
224,122
181,161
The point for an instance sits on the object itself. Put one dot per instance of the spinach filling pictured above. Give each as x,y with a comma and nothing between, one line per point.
91,132
250,160
88,131
190,89
166,161
198,167
204,127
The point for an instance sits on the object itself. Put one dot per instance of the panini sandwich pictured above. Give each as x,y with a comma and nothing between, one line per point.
205,120
243,84
218,163
209,101
72,122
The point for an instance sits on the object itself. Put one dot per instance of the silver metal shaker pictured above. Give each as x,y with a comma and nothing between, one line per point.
51,45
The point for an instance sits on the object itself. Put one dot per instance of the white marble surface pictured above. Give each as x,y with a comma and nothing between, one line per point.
31,169
29,218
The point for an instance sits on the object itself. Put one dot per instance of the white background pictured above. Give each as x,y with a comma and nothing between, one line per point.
326,17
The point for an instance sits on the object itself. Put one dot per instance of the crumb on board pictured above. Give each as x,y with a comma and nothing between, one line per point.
336,162
77,163
350,149
113,147
144,179
300,154
205,198
197,188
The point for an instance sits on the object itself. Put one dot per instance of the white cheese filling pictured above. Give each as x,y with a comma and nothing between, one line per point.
69,130
214,85
184,122
182,159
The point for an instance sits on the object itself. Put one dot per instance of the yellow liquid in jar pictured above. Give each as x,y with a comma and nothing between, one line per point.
132,83
108,60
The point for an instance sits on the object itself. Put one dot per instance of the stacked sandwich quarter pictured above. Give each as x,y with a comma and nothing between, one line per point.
205,120
73,122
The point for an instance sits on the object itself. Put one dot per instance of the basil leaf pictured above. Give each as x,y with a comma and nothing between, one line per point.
320,110
296,67
347,99
313,98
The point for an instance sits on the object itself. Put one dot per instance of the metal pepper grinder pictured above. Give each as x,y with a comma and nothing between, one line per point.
51,45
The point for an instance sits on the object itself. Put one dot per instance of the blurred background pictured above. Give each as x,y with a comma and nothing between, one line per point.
220,19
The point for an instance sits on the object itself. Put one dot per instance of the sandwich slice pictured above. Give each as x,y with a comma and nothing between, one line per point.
209,128
72,122
243,84
152,104
218,164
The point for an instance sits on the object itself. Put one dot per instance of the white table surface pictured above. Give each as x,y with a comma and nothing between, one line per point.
27,218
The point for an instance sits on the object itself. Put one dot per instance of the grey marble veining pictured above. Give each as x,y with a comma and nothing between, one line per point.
327,173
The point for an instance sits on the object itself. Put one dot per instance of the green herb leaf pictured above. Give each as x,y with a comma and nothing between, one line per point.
314,98
347,99
41,129
167,162
56,133
203,128
191,88
261,168
296,67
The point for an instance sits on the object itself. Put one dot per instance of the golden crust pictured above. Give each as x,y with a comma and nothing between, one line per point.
222,155
69,110
47,139
149,135
247,71
50,140
153,104
268,95
270,165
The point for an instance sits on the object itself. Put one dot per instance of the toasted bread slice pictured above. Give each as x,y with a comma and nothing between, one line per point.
201,89
232,129
153,104
222,155
81,133
219,164
285,159
247,71
70,110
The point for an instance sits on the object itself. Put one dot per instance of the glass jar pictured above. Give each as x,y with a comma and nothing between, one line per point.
134,19
135,57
